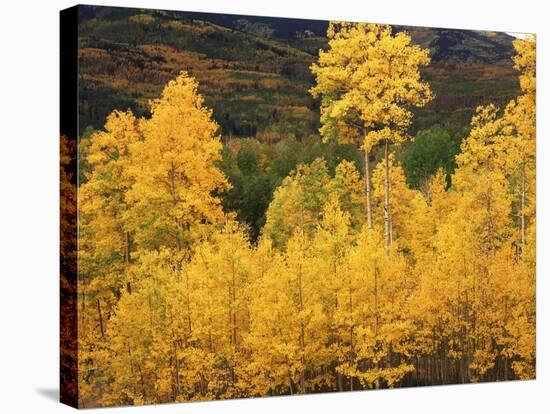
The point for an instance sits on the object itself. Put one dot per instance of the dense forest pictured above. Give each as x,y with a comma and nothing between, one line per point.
337,244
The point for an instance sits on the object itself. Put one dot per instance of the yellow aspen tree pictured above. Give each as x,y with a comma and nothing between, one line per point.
275,337
520,329
522,326
443,305
472,263
331,242
288,328
433,323
513,274
298,202
272,365
105,237
525,61
202,377
467,244
368,79
350,192
482,179
522,148
403,200
309,322
174,169
428,211
103,194
141,334
383,328
166,162
340,292
512,314
221,272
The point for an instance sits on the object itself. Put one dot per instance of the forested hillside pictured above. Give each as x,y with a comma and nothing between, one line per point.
254,74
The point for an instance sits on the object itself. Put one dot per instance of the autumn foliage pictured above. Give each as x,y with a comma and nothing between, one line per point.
355,282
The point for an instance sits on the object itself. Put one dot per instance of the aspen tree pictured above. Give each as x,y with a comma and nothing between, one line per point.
105,241
368,79
331,243
106,238
383,328
402,196
523,118
350,192
174,169
298,202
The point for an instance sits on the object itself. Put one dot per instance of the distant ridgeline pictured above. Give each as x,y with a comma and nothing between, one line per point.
254,71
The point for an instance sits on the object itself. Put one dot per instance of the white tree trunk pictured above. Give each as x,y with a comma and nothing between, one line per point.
387,213
368,190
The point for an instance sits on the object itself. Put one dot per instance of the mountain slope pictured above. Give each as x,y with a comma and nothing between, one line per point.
254,71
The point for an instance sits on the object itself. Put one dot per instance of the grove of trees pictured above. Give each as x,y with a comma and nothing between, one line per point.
355,279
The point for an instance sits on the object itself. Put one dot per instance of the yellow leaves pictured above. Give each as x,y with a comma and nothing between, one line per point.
333,230
487,140
287,320
369,78
384,377
525,61
497,162
402,198
298,202
102,197
179,94
173,167
149,194
177,304
372,138
122,130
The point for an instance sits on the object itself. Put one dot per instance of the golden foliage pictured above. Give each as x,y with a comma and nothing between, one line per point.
175,304
369,78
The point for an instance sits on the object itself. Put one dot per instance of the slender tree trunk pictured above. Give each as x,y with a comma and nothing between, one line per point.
150,311
302,379
351,327
100,318
376,302
126,247
210,338
335,275
302,332
522,213
232,311
83,307
188,301
368,190
177,371
391,225
143,390
490,222
387,215
505,368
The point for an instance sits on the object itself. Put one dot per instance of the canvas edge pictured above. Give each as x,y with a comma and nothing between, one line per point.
68,124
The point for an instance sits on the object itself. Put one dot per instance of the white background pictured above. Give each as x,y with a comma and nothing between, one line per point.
29,206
